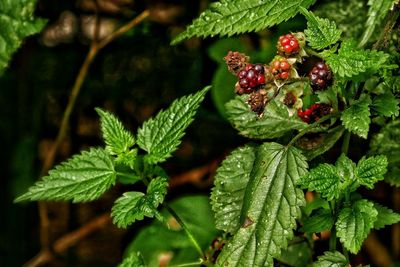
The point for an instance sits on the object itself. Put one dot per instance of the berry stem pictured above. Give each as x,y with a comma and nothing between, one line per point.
195,243
312,52
312,126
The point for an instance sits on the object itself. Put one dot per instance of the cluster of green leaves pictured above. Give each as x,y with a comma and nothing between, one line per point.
17,22
352,216
87,176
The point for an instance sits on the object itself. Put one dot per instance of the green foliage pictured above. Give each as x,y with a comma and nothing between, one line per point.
298,253
356,118
386,105
239,16
346,168
134,206
274,122
354,223
133,260
385,216
82,178
370,170
196,213
319,222
270,207
331,259
320,32
378,9
17,22
387,142
160,136
323,179
229,187
117,139
351,61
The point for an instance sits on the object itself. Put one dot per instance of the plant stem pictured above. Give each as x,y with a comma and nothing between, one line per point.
186,229
312,126
346,142
332,239
312,52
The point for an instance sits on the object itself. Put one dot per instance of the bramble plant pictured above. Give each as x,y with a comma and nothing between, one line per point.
325,85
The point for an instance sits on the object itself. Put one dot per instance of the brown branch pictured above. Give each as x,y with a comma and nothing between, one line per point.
69,240
95,47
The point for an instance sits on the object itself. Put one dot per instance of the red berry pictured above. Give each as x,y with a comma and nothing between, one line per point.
284,75
242,74
244,83
261,79
285,41
249,67
288,44
284,65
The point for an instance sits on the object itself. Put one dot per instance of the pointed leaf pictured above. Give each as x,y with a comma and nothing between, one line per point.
321,221
84,177
378,9
370,170
387,142
17,22
386,105
118,139
331,259
274,122
133,260
345,168
385,217
354,223
351,61
320,32
229,17
323,179
134,206
270,209
356,118
160,136
230,185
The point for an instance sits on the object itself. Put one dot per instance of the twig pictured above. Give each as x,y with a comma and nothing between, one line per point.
95,47
69,240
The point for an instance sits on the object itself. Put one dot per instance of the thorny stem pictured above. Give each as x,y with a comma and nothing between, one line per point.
95,47
186,229
312,126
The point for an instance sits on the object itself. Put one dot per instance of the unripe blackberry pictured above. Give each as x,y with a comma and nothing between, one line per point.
280,68
251,77
288,44
290,99
320,76
314,113
256,102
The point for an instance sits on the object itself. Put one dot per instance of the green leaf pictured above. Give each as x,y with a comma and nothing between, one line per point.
385,217
271,205
356,118
298,253
160,136
118,140
229,17
84,177
354,223
345,168
133,260
321,221
323,179
387,142
331,259
134,206
229,188
386,105
274,122
328,140
378,9
320,32
370,170
17,22
351,61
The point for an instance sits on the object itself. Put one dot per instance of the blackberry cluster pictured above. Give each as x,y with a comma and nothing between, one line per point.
280,68
320,76
251,77
288,44
314,113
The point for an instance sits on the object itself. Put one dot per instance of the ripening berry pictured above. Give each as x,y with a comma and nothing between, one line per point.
251,77
314,113
320,76
288,44
280,68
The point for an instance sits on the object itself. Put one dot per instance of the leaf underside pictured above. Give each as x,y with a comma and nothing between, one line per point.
229,17
84,177
274,122
161,135
17,22
270,208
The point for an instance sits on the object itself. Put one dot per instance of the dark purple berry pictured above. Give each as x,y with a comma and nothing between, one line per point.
251,74
244,83
259,68
242,74
320,76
